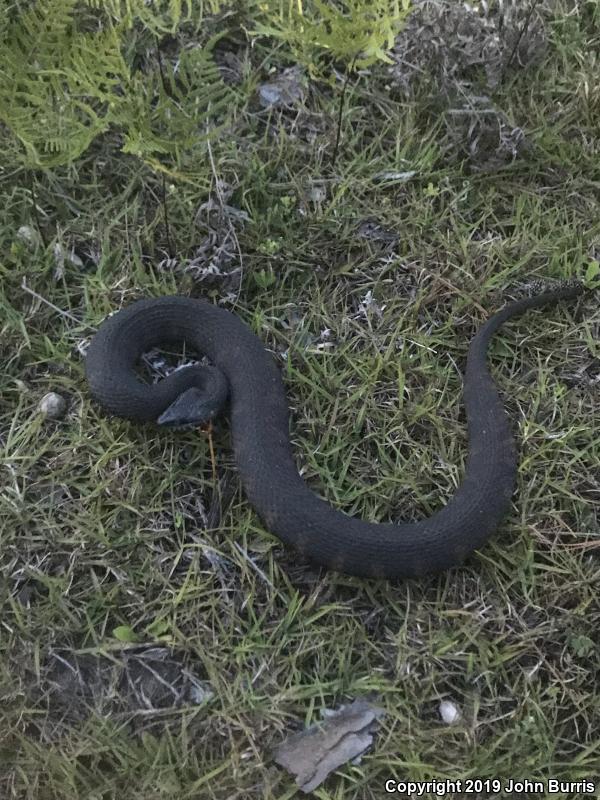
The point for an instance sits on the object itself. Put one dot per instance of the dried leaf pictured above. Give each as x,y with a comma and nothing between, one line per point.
313,754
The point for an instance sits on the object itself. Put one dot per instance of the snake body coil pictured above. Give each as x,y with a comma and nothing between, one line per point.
260,433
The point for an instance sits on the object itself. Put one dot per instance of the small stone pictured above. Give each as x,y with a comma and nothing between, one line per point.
53,406
28,235
449,712
285,90
317,193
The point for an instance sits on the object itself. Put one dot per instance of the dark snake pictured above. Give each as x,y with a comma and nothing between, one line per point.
246,374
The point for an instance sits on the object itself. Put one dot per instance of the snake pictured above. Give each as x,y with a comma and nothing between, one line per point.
244,376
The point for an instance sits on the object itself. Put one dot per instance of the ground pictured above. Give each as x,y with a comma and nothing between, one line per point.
156,641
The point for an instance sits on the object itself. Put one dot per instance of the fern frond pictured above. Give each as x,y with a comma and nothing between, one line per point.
56,85
157,16
60,87
353,31
169,117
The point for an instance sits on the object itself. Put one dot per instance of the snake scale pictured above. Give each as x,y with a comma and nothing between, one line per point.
246,374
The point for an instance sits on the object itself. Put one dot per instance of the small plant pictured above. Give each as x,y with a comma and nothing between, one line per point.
592,274
65,79
68,74
354,32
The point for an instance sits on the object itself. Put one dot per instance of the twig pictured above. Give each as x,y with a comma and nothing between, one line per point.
169,93
213,461
61,311
224,214
163,79
165,206
526,22
35,212
340,111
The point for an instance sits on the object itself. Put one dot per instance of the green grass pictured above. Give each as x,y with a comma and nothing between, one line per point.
107,524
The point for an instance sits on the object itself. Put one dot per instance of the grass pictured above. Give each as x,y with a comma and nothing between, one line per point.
109,526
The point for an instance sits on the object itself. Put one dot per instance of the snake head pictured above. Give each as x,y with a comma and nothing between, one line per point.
192,408
200,402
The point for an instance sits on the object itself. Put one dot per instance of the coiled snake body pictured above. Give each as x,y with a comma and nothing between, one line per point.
247,373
